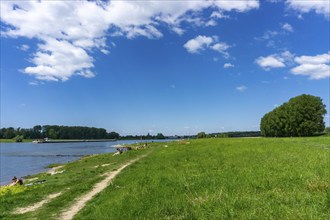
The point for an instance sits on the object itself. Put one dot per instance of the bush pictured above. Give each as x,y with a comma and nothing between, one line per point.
18,138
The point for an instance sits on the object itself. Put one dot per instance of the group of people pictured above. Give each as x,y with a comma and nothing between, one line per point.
121,150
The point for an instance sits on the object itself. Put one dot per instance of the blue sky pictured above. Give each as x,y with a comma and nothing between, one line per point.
151,66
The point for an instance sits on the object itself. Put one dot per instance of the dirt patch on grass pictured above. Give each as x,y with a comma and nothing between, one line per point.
37,205
81,202
53,170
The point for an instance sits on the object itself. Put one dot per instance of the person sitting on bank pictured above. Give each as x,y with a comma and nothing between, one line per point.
15,181
119,151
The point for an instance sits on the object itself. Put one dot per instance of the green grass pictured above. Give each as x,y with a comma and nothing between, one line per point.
13,141
243,178
223,179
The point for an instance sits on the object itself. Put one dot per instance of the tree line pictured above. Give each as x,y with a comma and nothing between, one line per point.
68,132
159,136
58,132
300,116
230,134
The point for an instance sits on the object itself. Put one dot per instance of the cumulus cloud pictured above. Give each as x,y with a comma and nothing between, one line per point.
275,60
202,42
228,65
84,26
271,61
221,47
67,31
241,88
315,67
318,6
199,43
287,27
318,59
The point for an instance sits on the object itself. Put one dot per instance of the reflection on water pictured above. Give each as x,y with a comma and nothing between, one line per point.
21,159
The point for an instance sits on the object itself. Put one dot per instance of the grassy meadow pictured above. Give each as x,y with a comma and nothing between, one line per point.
228,178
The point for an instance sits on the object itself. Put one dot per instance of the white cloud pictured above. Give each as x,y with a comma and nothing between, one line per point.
318,59
287,27
221,47
197,44
287,56
319,6
228,65
67,31
269,62
315,67
241,88
201,43
52,63
24,47
275,60
83,27
218,14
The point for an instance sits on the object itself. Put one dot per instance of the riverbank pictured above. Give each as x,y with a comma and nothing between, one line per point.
243,178
19,159
13,141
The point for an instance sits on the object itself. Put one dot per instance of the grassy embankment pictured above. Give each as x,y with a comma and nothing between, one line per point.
13,141
243,178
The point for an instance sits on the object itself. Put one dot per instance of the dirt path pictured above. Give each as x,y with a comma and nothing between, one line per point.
37,205
81,202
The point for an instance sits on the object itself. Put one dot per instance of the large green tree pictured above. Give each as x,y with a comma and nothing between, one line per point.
300,116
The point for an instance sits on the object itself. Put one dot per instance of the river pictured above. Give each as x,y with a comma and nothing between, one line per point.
22,159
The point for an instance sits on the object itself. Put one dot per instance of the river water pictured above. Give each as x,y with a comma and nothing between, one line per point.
21,159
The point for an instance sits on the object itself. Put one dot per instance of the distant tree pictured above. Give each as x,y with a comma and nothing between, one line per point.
160,136
113,135
37,131
201,135
52,133
9,133
300,116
